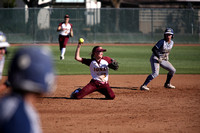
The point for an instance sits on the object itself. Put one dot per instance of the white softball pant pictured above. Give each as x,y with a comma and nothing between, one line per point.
155,66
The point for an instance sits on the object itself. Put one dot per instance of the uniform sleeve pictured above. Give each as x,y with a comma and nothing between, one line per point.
108,59
86,61
71,25
60,24
159,44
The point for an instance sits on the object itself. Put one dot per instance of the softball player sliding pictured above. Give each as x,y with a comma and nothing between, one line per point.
66,31
159,58
99,66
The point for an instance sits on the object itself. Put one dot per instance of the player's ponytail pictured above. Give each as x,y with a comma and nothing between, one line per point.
93,51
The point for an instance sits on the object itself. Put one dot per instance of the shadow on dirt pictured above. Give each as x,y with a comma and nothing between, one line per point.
127,88
114,87
73,99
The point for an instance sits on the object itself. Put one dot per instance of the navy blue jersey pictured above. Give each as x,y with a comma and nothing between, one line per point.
18,116
164,48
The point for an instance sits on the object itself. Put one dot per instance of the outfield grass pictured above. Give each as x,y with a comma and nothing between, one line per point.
132,59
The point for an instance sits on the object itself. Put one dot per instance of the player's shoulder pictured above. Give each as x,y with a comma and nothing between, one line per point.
61,23
86,61
106,58
161,41
70,24
8,106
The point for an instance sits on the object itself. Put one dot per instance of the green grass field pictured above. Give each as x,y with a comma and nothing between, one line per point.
132,59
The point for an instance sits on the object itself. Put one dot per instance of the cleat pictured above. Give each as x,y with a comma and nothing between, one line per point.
62,57
169,86
76,91
144,88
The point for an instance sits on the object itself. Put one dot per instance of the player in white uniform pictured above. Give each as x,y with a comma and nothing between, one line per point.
99,67
3,45
30,75
65,31
160,57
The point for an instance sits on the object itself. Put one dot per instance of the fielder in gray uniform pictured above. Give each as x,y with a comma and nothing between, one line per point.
3,51
160,57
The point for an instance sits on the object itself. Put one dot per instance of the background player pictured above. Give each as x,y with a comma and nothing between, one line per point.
160,57
30,74
99,67
66,31
3,51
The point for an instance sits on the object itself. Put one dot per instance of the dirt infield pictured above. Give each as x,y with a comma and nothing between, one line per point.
158,111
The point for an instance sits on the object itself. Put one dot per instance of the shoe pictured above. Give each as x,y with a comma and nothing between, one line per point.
76,91
169,86
144,88
62,57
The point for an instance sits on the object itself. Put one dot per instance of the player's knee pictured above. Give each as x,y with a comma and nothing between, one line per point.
172,72
154,75
78,97
111,97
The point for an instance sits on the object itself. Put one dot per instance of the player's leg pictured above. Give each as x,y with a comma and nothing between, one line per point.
89,88
169,67
63,49
2,61
62,53
106,91
155,67
61,42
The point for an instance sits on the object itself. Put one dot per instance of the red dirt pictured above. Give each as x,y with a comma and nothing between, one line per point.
158,110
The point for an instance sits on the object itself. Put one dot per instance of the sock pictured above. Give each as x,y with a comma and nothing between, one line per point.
169,77
149,78
63,52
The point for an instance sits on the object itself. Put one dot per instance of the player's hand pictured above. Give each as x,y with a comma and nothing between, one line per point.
81,41
159,60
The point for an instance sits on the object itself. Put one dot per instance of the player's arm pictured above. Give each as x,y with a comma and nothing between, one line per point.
59,28
155,51
77,53
71,32
5,85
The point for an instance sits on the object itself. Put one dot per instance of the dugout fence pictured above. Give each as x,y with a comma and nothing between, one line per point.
104,25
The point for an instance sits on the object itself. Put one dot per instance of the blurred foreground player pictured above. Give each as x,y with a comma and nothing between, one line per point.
99,66
30,75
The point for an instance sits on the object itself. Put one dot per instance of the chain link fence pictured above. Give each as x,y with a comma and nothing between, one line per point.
104,25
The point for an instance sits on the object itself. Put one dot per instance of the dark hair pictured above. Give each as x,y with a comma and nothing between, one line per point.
93,51
66,16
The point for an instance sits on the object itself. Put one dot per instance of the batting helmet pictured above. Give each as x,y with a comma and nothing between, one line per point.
169,31
31,70
3,42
